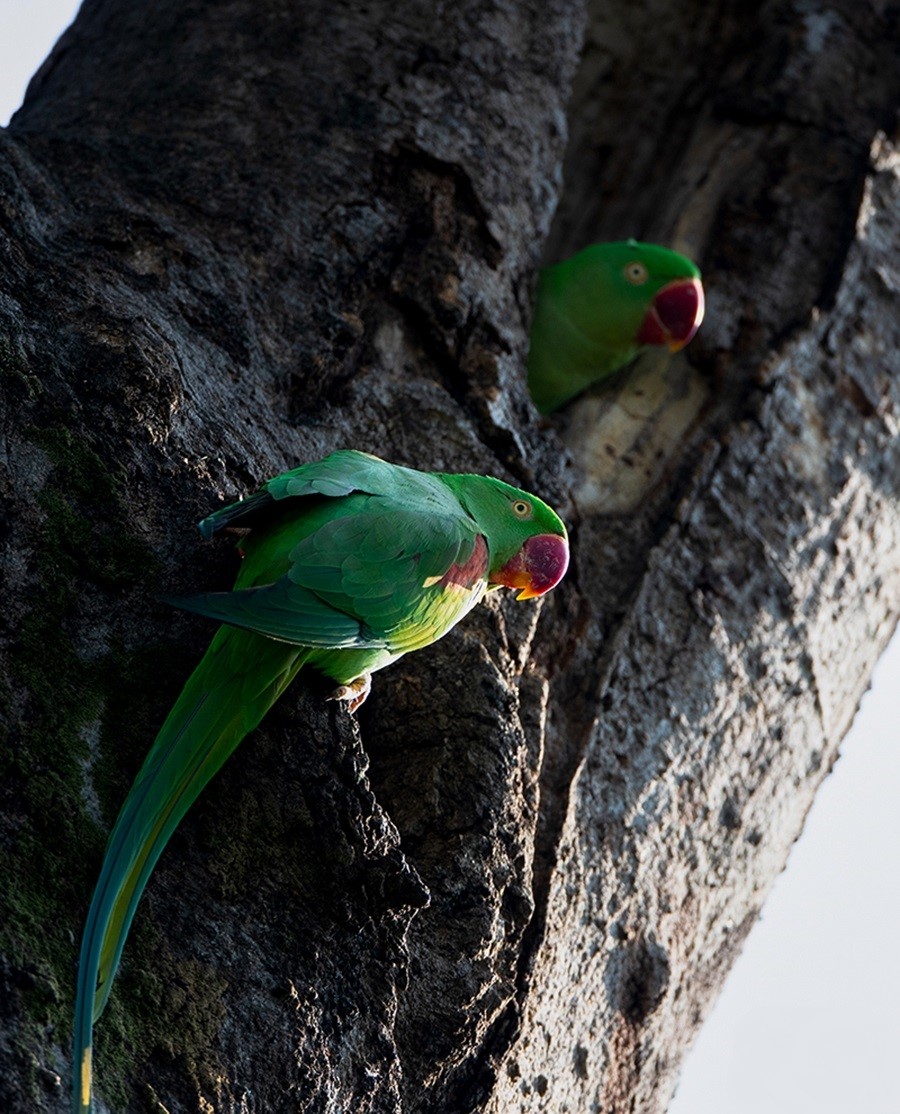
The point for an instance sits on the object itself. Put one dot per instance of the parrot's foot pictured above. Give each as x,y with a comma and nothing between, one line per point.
355,693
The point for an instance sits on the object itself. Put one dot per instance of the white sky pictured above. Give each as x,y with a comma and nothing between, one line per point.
28,29
809,1021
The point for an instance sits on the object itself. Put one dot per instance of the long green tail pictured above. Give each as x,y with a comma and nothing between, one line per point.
239,679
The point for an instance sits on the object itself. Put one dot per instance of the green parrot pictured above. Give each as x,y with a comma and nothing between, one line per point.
350,563
595,311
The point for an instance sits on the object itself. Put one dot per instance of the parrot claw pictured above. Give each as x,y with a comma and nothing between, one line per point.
355,693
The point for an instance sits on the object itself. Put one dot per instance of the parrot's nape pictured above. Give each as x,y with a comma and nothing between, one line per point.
597,310
350,563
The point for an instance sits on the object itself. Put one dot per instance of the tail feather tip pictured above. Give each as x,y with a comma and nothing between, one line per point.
85,1096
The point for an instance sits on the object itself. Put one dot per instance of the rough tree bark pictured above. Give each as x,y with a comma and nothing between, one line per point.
237,235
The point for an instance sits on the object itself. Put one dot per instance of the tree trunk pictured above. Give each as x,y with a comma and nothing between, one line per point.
238,235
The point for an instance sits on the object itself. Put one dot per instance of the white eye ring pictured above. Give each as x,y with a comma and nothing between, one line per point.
521,508
635,273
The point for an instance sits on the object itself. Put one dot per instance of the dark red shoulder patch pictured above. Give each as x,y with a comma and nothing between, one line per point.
472,571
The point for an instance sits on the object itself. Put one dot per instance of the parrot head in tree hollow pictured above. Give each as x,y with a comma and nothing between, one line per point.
595,311
350,563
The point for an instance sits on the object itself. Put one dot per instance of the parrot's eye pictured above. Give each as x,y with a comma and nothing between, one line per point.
521,508
636,273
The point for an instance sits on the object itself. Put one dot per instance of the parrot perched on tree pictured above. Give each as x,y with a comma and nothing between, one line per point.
595,311
350,563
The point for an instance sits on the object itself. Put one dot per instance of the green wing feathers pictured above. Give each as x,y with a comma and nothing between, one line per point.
232,688
340,473
283,611
350,573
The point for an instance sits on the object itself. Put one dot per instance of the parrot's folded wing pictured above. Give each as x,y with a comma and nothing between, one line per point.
358,578
286,612
340,473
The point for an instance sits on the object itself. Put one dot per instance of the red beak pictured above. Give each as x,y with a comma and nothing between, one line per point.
674,315
538,566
